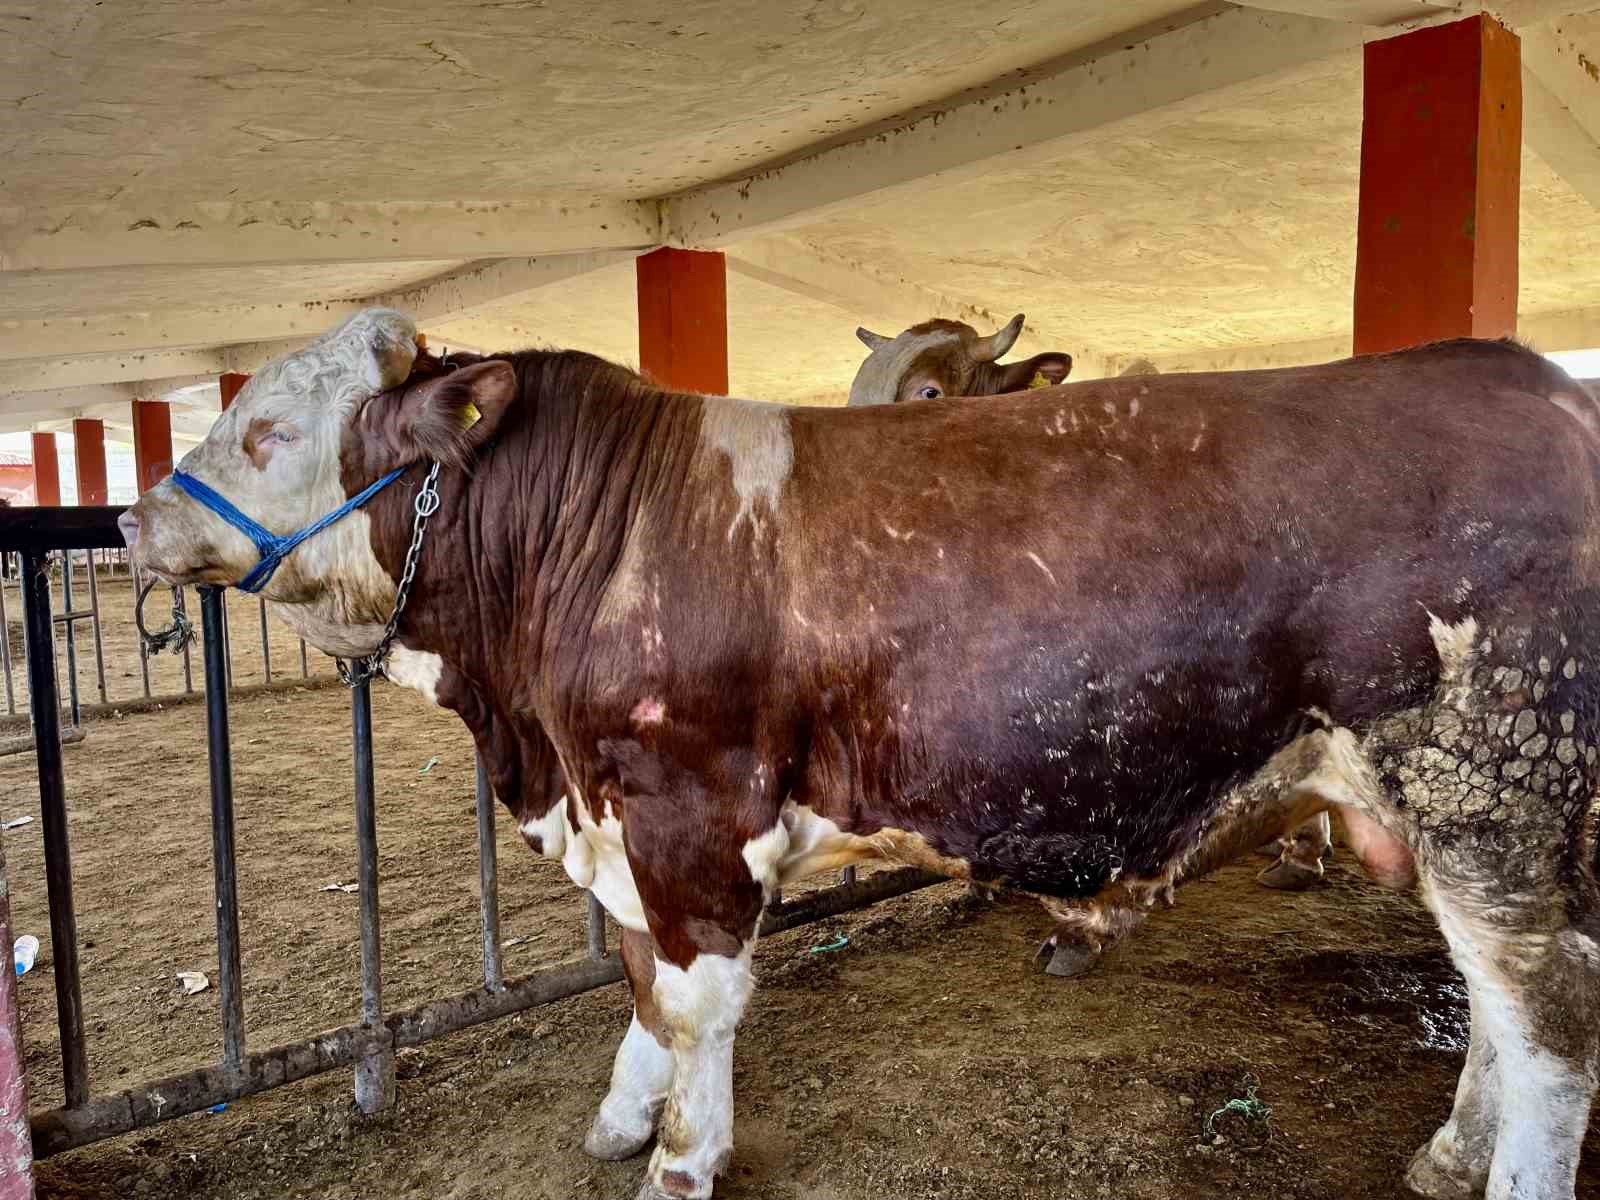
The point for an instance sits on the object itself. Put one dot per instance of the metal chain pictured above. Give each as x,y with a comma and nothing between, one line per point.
353,675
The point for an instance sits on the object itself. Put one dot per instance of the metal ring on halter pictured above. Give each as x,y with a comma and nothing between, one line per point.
175,637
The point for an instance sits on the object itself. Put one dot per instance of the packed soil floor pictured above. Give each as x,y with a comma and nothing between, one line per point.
924,1058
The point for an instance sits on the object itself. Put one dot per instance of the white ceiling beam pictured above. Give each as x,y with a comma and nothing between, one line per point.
59,400
35,374
480,286
1525,14
888,304
1561,107
1252,358
234,234
281,326
1360,12
1190,68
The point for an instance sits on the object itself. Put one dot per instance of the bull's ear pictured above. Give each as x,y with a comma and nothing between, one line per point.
1042,370
449,418
380,344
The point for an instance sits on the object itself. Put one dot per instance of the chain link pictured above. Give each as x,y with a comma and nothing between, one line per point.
353,675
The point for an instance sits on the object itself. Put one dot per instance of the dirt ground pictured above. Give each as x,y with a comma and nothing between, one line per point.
925,1059
119,638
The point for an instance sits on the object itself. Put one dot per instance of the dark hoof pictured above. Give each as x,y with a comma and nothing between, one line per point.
1065,960
1287,876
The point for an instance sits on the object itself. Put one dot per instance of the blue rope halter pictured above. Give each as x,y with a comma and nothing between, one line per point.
272,548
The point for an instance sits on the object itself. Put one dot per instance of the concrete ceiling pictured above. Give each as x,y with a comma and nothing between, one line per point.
190,188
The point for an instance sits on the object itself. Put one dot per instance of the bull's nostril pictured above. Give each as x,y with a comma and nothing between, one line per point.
128,522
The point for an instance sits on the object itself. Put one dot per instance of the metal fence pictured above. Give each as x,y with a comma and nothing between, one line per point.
368,1045
78,573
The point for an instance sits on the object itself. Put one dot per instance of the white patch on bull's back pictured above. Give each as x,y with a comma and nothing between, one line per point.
755,439
878,379
418,670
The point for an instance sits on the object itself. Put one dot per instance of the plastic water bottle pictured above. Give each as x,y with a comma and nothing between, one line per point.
23,953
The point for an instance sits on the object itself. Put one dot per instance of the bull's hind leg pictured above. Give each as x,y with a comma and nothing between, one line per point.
1493,780
641,1075
1523,1102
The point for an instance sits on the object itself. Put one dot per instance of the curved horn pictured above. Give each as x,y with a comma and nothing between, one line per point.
992,347
872,341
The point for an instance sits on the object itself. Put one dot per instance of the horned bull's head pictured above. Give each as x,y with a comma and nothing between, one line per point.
948,358
317,433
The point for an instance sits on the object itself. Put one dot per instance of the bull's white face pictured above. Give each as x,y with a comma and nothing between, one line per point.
276,455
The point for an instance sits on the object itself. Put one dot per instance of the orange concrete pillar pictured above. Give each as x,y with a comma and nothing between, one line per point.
89,460
231,384
683,319
152,443
1441,157
46,470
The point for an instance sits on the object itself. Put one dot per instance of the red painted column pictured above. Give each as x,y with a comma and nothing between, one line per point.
152,443
46,470
683,319
231,383
16,1141
1441,158
89,460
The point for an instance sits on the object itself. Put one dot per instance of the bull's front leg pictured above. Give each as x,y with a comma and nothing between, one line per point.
1301,852
641,1075
703,885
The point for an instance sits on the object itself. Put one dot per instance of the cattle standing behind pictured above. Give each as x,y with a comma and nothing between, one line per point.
1088,644
939,358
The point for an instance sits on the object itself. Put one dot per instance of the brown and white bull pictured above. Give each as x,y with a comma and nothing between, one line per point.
939,358
1087,644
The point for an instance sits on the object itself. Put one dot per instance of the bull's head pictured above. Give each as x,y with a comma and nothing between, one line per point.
308,432
948,358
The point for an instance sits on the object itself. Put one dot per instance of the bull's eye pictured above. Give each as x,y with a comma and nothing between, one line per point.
931,392
282,437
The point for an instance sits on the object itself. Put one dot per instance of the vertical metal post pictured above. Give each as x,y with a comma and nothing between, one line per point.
375,1067
72,639
488,883
847,876
94,622
266,649
144,655
16,1142
227,640
597,928
305,672
5,644
44,701
223,860
180,603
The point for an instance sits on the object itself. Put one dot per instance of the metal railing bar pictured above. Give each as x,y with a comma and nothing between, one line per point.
305,671
596,928
375,1067
223,858
227,640
144,655
181,603
266,649
5,646
99,641
488,881
69,618
43,702
192,1091
178,1095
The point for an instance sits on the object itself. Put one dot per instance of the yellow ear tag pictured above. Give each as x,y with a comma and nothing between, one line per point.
470,415
1039,381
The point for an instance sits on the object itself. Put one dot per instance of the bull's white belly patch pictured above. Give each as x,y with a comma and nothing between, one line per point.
550,829
596,859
